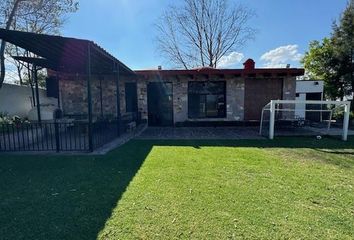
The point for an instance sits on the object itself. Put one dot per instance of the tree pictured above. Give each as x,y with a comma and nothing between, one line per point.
332,59
343,40
38,16
201,32
8,19
321,64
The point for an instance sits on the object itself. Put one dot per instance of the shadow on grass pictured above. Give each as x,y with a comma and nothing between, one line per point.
279,142
337,152
62,197
71,197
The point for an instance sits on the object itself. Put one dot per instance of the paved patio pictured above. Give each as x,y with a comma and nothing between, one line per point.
200,133
231,133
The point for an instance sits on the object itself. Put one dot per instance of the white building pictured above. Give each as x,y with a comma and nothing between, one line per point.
17,100
307,90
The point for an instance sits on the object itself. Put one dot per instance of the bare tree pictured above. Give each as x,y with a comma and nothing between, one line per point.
38,16
8,19
201,32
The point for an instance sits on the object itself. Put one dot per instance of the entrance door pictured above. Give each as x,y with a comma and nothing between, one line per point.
313,116
160,107
258,93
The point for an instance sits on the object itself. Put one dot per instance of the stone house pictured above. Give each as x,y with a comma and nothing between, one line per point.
183,97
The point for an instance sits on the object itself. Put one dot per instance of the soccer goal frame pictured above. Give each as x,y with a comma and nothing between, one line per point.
272,108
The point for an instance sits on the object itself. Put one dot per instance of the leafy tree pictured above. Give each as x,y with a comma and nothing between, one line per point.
343,40
321,64
332,59
201,32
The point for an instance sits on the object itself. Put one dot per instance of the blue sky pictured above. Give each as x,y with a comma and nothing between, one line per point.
125,28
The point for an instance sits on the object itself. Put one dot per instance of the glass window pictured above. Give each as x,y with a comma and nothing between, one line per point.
206,99
131,100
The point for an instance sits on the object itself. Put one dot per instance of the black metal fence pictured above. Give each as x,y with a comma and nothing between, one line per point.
62,136
44,137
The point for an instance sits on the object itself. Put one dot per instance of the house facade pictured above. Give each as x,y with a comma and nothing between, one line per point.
184,97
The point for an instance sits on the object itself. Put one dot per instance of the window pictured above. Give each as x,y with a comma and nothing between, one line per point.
131,101
206,99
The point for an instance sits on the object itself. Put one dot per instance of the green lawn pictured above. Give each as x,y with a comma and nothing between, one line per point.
289,188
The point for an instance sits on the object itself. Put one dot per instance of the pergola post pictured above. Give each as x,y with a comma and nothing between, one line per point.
89,102
272,120
346,121
35,80
118,100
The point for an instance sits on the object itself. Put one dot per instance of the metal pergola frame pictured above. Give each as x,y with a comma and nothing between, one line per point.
68,55
271,107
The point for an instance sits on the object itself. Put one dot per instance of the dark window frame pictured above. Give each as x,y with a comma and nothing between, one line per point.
135,107
190,116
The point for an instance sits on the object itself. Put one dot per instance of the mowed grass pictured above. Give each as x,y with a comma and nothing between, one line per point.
289,188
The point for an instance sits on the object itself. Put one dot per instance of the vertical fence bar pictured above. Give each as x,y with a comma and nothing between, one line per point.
272,120
1,133
13,137
23,137
89,102
70,142
41,137
18,137
26,136
4,138
346,121
37,137
35,79
57,137
118,99
50,133
46,135
8,135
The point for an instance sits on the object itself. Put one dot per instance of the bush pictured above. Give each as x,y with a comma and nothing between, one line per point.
14,120
338,114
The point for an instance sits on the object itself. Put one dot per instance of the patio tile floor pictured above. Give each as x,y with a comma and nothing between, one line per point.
200,133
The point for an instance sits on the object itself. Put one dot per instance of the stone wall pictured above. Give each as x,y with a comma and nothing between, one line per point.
73,95
234,96
73,92
289,93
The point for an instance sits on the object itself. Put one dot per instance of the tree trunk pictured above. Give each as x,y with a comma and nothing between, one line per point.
3,43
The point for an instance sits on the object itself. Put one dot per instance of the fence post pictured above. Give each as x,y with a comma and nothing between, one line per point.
57,137
89,101
346,121
119,120
272,120
1,132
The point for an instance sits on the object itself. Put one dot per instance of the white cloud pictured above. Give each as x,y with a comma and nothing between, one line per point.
230,60
281,56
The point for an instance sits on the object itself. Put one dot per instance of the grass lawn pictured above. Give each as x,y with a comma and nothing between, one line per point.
289,188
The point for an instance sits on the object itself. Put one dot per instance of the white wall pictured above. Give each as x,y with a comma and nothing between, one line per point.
309,86
16,100
302,88
300,107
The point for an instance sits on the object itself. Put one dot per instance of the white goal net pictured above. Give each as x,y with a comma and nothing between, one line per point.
305,118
